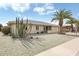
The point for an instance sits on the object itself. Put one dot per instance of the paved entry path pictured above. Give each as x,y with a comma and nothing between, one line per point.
70,48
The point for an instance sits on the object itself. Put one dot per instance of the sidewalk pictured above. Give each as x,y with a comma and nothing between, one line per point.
73,33
69,48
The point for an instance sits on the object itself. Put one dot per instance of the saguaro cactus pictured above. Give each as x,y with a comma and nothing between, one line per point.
21,28
24,34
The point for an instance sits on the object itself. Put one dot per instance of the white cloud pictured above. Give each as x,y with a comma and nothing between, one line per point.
45,9
20,7
49,6
17,7
39,10
52,11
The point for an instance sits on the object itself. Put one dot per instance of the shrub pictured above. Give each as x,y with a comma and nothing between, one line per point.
0,26
5,30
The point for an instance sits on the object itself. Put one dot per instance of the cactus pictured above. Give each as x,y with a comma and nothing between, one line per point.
21,28
24,35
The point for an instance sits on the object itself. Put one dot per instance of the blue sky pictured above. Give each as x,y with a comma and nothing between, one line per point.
34,11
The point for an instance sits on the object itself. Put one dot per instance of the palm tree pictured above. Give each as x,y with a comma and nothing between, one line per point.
71,21
61,15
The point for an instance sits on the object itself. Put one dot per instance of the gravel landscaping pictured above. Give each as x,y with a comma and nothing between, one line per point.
11,47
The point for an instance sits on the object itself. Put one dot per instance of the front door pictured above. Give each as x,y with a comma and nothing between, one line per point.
45,28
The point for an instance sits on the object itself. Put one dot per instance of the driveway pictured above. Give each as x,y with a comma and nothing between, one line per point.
70,48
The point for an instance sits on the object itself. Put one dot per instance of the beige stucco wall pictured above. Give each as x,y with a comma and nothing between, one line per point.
33,29
41,27
13,28
53,30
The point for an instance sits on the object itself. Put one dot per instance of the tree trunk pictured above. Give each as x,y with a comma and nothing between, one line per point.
72,28
60,24
60,31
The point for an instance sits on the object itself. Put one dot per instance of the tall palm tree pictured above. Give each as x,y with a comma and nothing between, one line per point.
71,21
61,15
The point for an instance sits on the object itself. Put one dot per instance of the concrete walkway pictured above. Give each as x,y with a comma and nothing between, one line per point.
69,48
73,33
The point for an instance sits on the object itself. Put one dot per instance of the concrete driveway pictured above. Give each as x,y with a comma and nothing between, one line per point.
70,48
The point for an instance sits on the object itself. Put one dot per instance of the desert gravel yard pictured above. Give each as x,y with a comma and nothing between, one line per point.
11,47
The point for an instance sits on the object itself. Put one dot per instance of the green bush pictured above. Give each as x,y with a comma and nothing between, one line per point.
5,30
0,26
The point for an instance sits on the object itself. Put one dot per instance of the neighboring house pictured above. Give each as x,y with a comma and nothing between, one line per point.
66,28
35,27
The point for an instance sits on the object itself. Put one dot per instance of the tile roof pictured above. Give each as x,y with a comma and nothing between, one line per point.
34,22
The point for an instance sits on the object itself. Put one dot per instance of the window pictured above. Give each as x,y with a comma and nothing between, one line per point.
49,27
44,28
37,27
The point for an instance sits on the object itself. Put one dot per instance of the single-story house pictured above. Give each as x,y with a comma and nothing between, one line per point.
36,26
39,27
